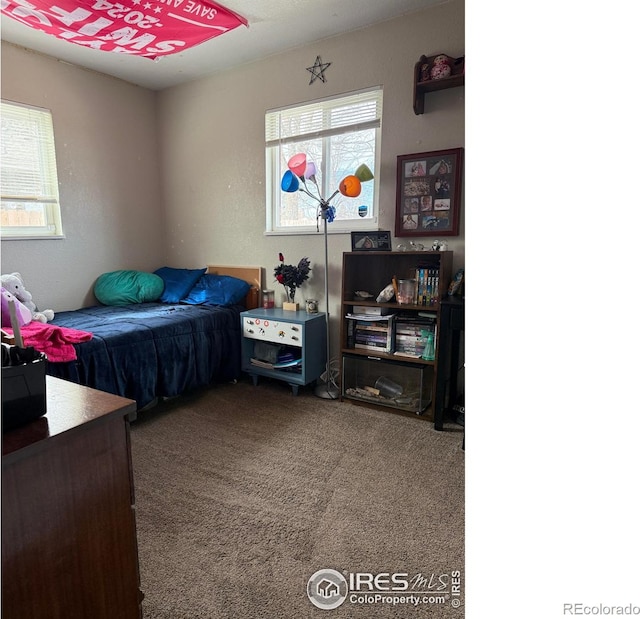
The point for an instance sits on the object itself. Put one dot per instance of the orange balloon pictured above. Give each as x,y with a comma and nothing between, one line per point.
350,186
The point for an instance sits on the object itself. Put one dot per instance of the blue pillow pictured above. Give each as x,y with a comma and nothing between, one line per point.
218,290
178,282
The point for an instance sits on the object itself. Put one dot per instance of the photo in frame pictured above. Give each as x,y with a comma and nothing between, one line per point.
378,240
428,193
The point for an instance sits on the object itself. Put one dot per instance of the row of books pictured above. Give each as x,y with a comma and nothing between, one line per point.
428,286
402,335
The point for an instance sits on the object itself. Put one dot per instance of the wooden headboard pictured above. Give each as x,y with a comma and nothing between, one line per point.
252,275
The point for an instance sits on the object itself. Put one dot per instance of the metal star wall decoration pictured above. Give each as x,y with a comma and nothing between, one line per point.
317,70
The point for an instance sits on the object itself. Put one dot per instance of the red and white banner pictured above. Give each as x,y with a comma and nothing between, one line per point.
149,28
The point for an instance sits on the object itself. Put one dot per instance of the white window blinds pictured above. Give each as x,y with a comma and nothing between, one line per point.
324,118
28,174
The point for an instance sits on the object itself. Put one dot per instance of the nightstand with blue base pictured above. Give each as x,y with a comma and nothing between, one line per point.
285,345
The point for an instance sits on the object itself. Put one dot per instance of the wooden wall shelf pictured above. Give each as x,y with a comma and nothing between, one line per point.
421,86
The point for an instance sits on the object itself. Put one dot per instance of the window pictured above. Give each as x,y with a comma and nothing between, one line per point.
337,134
29,180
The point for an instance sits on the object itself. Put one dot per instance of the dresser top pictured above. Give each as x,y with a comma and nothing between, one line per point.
277,313
69,406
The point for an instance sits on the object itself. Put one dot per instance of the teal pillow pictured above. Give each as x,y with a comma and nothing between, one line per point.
127,287
178,282
218,290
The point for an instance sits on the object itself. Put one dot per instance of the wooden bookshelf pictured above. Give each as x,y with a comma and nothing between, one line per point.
372,272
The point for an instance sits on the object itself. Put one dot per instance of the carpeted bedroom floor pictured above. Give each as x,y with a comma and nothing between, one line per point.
243,492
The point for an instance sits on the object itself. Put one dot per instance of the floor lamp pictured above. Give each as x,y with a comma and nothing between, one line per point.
327,390
295,179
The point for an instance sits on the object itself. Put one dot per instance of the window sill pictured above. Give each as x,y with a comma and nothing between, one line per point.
32,238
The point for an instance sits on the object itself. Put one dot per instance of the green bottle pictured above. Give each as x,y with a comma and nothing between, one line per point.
429,353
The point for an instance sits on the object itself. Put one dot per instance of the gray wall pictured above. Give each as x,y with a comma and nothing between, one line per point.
178,177
106,151
212,143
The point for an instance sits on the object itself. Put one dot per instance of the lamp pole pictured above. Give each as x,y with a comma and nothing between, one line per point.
299,170
328,391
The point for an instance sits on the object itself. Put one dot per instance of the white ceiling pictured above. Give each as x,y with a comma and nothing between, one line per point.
274,26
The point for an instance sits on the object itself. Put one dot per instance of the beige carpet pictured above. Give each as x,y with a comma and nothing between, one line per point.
243,492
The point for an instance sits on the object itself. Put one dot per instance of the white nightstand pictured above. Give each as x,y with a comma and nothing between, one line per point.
301,335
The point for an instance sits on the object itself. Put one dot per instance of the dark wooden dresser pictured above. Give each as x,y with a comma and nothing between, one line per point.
69,546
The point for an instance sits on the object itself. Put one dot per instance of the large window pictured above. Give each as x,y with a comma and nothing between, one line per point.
28,175
337,134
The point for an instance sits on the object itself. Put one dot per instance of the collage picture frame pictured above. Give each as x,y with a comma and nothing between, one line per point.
428,193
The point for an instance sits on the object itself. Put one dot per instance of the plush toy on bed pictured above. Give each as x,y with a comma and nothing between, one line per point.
14,283
23,314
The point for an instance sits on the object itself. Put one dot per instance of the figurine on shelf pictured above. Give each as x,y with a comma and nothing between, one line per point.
425,73
441,67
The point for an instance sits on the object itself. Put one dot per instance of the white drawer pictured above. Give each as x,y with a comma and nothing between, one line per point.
272,331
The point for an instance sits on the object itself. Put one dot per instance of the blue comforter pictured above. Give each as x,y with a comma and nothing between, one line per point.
151,350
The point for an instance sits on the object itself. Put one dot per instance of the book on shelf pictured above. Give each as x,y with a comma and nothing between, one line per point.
371,317
381,348
375,340
420,318
370,310
414,346
428,288
414,327
383,342
412,332
410,340
374,334
412,355
261,364
366,326
279,365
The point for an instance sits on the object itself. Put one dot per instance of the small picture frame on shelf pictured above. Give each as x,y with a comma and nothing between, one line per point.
428,193
378,240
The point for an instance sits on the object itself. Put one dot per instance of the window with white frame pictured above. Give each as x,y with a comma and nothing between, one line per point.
337,134
28,176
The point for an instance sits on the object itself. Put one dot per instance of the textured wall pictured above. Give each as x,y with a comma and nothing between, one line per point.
183,183
106,152
212,141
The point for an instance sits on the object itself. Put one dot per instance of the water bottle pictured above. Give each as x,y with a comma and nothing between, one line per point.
429,353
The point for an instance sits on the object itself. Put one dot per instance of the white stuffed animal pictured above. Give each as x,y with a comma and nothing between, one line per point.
14,283
23,313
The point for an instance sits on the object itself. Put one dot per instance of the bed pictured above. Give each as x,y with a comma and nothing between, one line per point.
151,350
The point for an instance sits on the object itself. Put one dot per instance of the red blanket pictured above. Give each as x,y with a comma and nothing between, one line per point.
54,341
